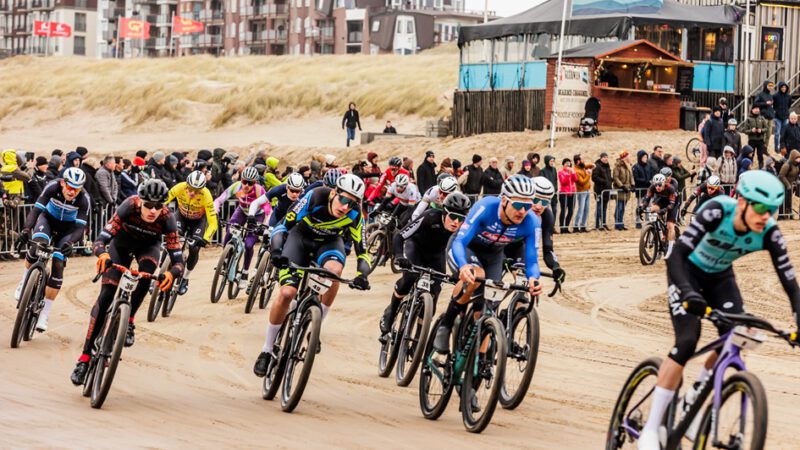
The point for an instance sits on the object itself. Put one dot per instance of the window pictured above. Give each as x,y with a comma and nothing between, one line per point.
400,24
298,24
354,30
80,45
710,44
410,27
80,22
771,43
376,26
664,36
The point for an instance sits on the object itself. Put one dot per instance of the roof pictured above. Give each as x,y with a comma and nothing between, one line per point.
546,18
603,49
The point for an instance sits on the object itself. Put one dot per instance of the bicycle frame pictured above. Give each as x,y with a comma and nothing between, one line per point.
458,359
237,240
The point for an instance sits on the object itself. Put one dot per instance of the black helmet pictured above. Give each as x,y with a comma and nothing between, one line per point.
395,161
457,203
153,190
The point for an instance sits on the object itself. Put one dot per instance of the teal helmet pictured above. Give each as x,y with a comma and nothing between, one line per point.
759,186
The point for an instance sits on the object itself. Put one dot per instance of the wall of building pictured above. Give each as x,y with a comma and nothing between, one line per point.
66,46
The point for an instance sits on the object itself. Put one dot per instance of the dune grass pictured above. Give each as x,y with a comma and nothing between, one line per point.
258,89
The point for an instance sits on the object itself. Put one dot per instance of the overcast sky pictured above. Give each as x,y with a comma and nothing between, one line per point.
503,7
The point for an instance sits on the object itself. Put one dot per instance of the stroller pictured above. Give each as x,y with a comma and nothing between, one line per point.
591,114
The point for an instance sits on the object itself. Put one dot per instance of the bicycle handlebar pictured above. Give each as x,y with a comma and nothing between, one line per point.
439,276
123,269
718,317
325,273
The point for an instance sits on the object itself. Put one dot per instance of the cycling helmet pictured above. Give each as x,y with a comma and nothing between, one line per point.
351,184
295,181
331,177
543,188
401,181
759,186
659,179
457,203
395,161
196,180
74,177
442,176
153,190
713,181
448,185
667,172
272,162
518,186
732,121
250,174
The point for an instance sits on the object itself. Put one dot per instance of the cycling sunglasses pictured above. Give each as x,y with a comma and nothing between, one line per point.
295,191
455,216
541,201
249,183
347,201
761,208
152,205
71,189
519,206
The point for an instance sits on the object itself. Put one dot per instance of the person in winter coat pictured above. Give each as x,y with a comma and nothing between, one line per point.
623,183
492,180
73,160
583,183
566,194
372,159
747,153
602,178
551,173
769,166
714,133
680,174
710,168
426,172
781,102
446,166
129,179
656,161
743,167
350,121
791,135
89,167
756,127
642,174
526,169
789,173
54,166
472,178
508,167
534,159
728,169
107,183
39,179
764,100
732,137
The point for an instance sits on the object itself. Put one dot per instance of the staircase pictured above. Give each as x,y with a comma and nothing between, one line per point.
794,91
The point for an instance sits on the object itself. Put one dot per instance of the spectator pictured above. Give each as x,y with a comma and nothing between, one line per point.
389,129
566,194
780,159
583,182
426,172
471,179
769,166
642,174
89,167
680,174
129,179
781,102
330,161
73,160
57,152
714,133
39,179
372,159
142,154
13,174
656,161
270,173
551,173
107,183
728,169
791,135
726,113
54,166
351,121
508,167
703,146
602,185
408,164
316,171
446,166
747,152
623,183
82,151
457,170
732,136
744,167
492,180
756,128
788,175
764,101
534,159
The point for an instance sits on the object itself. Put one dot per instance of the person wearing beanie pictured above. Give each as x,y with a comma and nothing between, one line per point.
470,180
426,172
551,173
623,183
205,155
39,179
54,166
756,127
508,167
457,170
714,133
526,169
155,167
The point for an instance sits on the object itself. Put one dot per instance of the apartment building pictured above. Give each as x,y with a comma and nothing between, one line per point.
17,19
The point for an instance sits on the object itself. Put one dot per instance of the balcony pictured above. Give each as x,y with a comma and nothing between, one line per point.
212,40
312,32
278,9
42,4
166,2
326,32
22,5
354,37
211,14
163,20
275,35
162,43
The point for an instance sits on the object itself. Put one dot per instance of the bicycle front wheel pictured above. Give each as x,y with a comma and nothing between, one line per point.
302,352
376,248
648,245
742,418
523,349
413,339
435,381
171,297
256,285
26,320
110,352
221,274
156,296
266,292
389,343
633,405
484,374
233,286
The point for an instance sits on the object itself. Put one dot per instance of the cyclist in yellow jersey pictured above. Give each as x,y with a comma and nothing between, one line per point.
197,219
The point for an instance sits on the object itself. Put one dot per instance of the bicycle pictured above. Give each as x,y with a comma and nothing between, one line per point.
298,338
265,279
693,150
230,264
628,417
405,343
108,346
478,360
653,238
165,299
379,240
31,301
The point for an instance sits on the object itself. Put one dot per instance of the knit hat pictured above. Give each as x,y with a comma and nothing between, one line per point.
456,164
604,155
158,156
41,160
623,154
429,153
56,160
371,156
142,154
526,163
476,158
205,155
139,161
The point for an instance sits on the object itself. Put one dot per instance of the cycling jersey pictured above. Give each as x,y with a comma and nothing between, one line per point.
408,197
702,195
55,206
196,207
485,232
386,177
279,201
244,198
667,198
423,242
430,198
544,237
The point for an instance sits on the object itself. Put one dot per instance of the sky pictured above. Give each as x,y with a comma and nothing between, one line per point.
503,7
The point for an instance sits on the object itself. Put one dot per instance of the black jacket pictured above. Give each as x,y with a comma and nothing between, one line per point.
426,176
601,176
38,181
550,172
90,186
767,110
714,136
734,139
782,101
642,174
492,181
791,137
351,120
474,178
656,164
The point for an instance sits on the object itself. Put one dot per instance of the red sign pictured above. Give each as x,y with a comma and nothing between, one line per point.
129,28
52,29
181,25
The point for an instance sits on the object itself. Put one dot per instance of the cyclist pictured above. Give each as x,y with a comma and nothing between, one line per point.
395,168
328,180
196,218
313,230
246,192
134,232
662,197
423,243
699,272
404,195
59,216
705,192
477,251
435,195
667,172
280,198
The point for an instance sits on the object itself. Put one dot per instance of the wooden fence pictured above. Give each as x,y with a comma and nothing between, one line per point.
497,111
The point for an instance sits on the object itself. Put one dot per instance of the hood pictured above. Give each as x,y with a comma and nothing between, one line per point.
639,155
768,161
764,87
205,155
745,165
728,149
547,160
218,154
712,163
794,154
782,85
71,157
9,157
747,150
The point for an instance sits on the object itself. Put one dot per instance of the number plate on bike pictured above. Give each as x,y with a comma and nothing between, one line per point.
748,338
494,294
127,283
652,217
424,283
318,284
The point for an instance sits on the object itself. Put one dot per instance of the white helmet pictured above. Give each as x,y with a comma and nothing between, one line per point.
713,181
543,188
401,180
250,174
295,181
196,180
351,184
448,185
74,177
659,179
518,186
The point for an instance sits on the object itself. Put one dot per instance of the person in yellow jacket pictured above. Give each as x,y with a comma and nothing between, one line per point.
271,173
13,174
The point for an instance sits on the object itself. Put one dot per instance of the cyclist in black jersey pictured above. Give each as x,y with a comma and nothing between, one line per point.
705,192
662,196
423,243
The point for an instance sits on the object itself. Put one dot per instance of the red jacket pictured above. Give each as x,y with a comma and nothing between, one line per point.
386,179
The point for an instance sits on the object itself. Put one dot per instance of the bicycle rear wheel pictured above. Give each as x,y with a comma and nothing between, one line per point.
693,151
413,339
221,274
256,285
376,248
390,343
743,413
435,381
156,296
23,323
484,374
523,350
648,245
301,357
110,352
633,406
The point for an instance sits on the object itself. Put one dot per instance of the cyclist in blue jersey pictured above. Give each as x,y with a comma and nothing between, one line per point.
477,251
280,197
699,273
328,180
59,217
